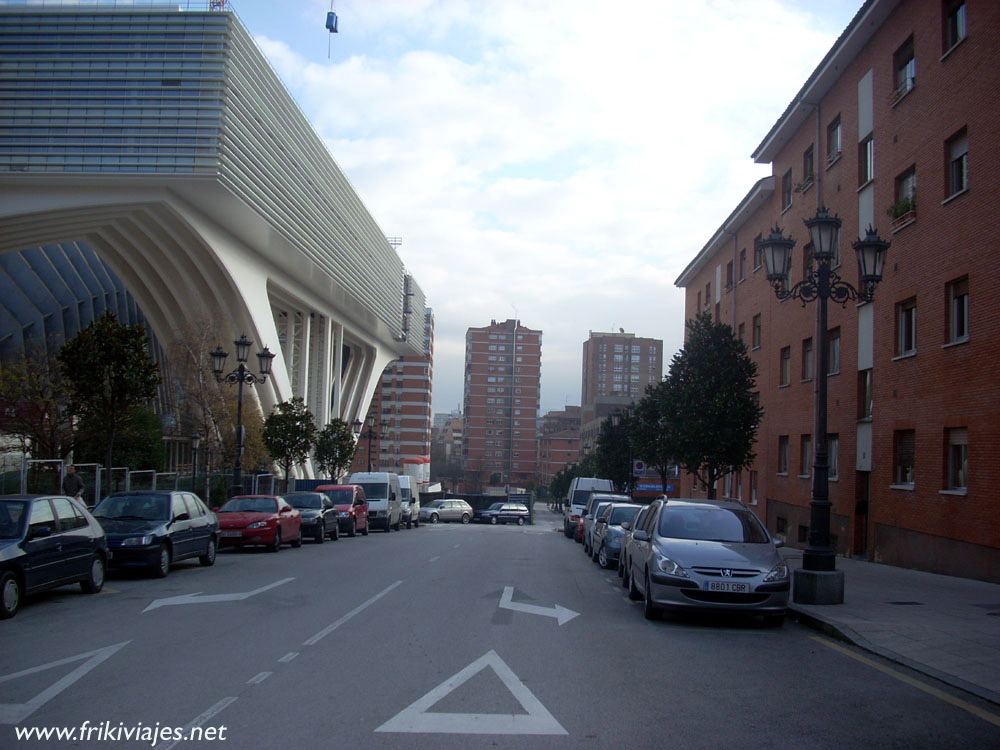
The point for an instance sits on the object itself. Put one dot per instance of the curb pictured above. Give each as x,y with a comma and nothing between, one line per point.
849,635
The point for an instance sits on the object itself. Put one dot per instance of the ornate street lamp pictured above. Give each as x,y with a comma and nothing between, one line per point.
239,376
818,581
195,442
371,434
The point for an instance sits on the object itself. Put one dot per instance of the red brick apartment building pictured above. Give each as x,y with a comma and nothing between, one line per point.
897,127
558,443
403,399
502,388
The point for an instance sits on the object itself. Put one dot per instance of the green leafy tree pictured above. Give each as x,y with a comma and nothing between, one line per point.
289,434
614,451
653,431
108,373
710,392
140,441
32,405
334,448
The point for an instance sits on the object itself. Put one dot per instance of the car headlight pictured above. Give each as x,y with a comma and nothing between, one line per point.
344,514
137,541
669,567
257,525
778,573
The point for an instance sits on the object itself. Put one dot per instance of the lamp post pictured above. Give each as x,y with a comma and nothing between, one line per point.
195,442
370,434
818,581
239,376
616,423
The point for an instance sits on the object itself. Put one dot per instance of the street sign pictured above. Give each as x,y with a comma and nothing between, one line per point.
638,467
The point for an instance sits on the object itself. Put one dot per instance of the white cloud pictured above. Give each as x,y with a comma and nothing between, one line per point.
564,159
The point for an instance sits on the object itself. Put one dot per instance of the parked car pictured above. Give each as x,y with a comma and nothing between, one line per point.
319,518
450,509
596,504
410,501
487,515
627,528
384,495
351,505
512,513
707,555
154,529
47,541
266,520
608,532
576,499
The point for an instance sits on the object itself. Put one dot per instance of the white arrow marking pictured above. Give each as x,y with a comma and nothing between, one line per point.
561,614
196,597
15,713
417,719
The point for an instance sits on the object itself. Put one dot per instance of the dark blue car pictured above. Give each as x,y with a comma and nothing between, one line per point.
47,541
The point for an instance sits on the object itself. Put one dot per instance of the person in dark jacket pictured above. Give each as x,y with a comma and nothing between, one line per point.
72,484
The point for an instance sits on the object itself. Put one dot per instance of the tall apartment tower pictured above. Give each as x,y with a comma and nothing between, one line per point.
502,388
617,367
403,400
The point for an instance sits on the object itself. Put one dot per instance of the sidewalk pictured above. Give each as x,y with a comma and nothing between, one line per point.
944,627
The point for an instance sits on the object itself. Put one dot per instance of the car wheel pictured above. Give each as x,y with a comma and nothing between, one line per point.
568,534
520,521
364,531
633,592
335,536
409,523
649,610
493,520
276,544
297,542
466,518
602,557
593,553
434,518
208,558
396,526
622,567
774,621
94,582
320,536
354,528
416,523
11,594
162,566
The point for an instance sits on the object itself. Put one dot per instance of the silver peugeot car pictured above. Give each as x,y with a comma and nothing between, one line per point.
707,555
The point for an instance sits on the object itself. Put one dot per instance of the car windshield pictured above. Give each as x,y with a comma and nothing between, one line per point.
599,508
621,515
11,513
339,497
250,505
134,507
496,506
580,497
711,523
305,500
375,490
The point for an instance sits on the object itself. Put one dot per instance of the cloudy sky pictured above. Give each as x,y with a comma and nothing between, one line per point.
558,161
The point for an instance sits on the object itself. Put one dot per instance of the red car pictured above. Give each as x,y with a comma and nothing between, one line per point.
351,504
578,533
259,519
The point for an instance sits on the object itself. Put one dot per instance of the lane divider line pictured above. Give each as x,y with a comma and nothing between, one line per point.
435,558
288,657
201,719
259,678
361,607
940,694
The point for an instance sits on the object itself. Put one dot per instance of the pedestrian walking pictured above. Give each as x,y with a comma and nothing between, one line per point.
72,484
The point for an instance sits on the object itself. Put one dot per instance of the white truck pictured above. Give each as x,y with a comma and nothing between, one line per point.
576,500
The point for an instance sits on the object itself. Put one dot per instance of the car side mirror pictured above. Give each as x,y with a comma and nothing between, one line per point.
286,509
641,536
182,517
327,504
215,509
778,542
601,520
626,525
41,531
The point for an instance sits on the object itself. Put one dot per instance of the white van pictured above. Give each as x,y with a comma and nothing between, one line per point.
410,500
384,497
576,500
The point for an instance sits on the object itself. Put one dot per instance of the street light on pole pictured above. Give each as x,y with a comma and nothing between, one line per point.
195,442
616,423
818,581
239,376
370,434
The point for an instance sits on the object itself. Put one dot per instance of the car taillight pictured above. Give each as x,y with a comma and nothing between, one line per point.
574,518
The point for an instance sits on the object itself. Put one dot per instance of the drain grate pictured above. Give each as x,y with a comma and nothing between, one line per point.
907,604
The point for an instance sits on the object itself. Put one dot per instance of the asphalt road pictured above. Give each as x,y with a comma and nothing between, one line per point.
444,637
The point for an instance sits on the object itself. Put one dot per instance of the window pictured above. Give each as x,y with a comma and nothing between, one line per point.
832,455
743,264
698,309
958,310
833,351
954,23
906,327
808,170
864,394
807,359
786,364
866,161
758,254
805,455
708,294
905,67
755,341
903,447
783,454
786,190
753,487
729,274
958,440
742,333
833,142
958,163
41,516
905,194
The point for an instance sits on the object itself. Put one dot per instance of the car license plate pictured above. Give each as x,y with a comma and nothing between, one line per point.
230,533
728,586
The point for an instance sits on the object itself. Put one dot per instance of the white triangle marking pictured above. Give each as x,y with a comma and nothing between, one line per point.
15,713
416,718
